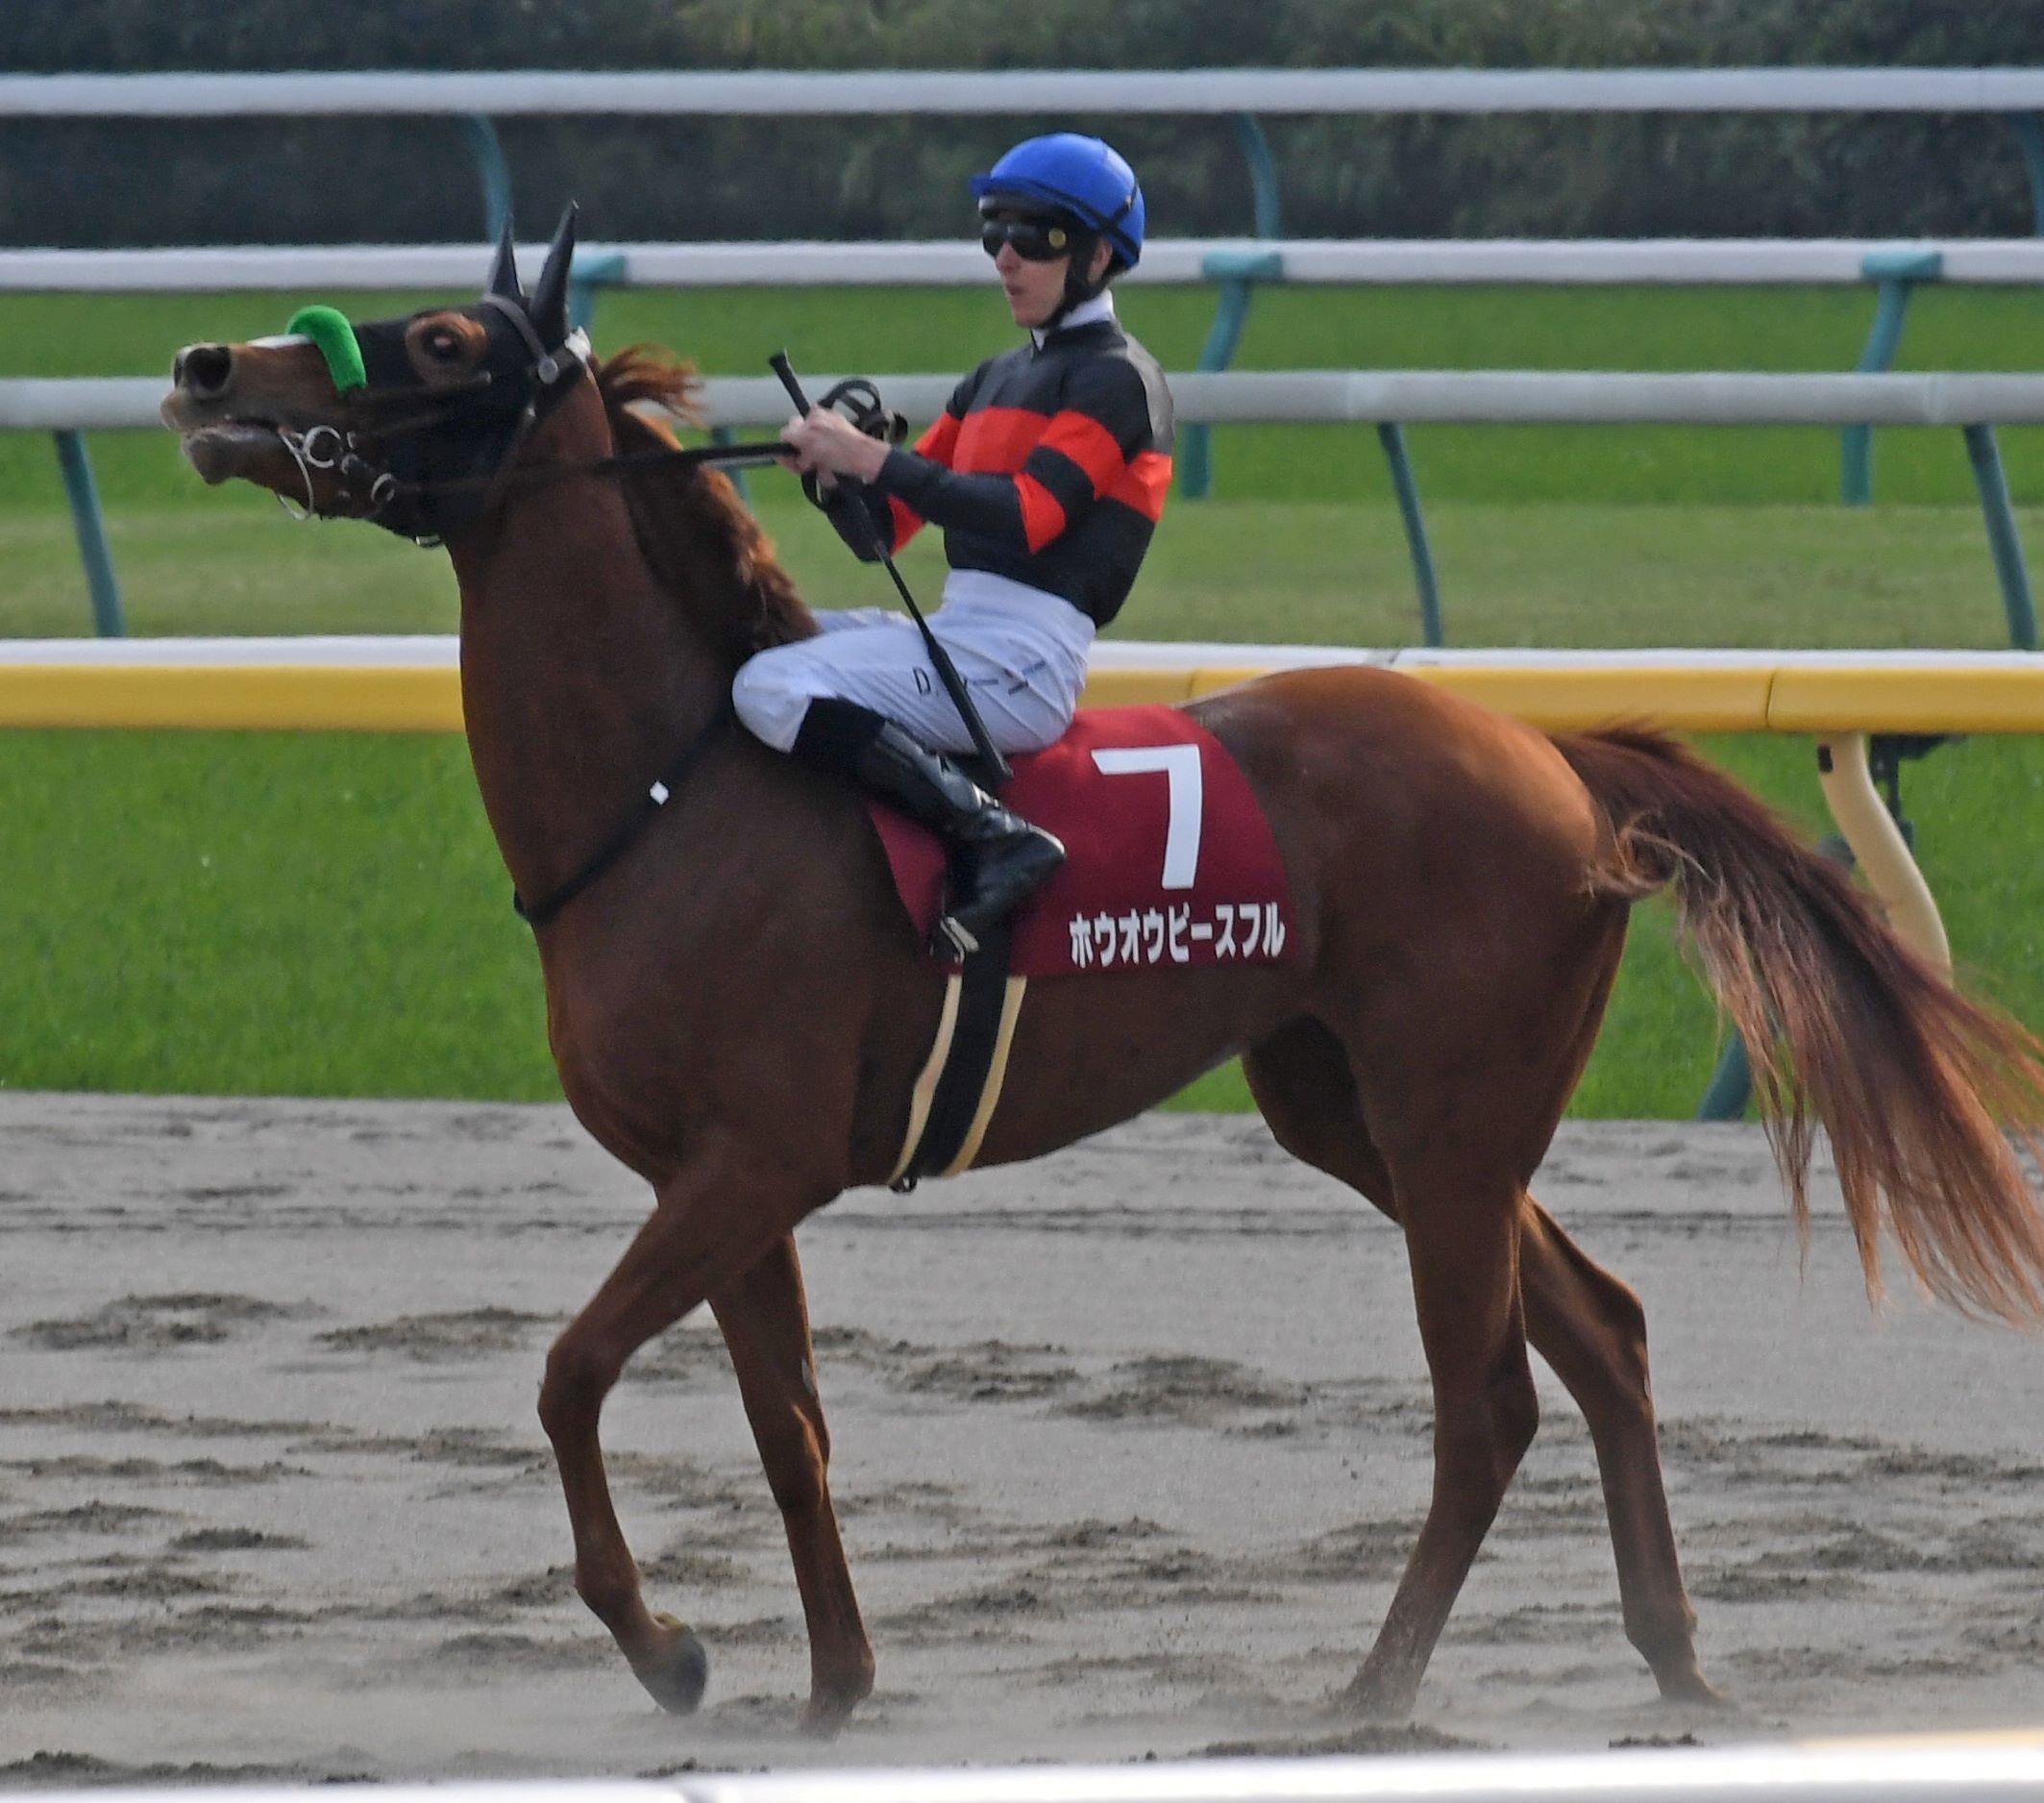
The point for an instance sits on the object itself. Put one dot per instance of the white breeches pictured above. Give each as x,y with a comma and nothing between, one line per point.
1020,653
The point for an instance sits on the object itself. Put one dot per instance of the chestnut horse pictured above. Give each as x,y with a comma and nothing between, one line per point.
739,1008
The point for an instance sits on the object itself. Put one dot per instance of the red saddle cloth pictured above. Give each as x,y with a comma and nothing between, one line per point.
1170,861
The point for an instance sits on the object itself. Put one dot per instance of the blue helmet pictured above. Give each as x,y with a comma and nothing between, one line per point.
1088,179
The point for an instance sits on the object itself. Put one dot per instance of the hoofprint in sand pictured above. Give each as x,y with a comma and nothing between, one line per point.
1129,1446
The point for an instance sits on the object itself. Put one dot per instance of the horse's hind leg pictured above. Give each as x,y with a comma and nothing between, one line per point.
1589,1328
1458,1204
710,1227
1586,1323
765,1319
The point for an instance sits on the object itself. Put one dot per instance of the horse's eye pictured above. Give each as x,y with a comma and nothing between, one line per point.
443,346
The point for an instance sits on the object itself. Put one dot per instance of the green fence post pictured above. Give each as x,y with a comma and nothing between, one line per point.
91,530
1391,437
1236,271
1730,1085
2003,538
495,171
723,434
2030,133
587,276
1896,274
1263,176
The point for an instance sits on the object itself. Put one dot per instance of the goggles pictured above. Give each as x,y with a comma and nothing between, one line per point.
1036,239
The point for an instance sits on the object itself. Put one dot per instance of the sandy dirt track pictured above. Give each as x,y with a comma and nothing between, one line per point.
1129,1449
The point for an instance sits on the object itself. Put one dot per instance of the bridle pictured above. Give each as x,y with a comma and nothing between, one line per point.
399,495
394,493
328,448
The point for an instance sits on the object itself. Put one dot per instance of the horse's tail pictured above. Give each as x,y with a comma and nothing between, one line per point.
1931,1102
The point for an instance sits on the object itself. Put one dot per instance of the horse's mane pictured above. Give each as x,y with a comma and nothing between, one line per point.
701,542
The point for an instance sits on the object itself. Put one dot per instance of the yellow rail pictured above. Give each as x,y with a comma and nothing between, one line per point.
1705,697
232,698
1992,693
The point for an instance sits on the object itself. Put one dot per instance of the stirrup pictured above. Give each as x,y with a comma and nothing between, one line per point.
992,906
949,937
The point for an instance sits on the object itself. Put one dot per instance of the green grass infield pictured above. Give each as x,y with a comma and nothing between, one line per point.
327,915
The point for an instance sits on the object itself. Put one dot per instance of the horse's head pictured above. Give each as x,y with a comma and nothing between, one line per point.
406,422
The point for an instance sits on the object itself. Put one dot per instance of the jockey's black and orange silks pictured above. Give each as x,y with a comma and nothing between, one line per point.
1047,466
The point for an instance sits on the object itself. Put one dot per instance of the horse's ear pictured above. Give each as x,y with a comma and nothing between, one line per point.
504,268
549,305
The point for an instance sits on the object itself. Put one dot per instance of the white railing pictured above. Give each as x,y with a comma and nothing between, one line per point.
1176,261
1108,91
1388,400
1954,1769
1302,397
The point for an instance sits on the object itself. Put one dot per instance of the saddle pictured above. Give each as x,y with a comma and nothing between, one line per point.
1170,860
1170,865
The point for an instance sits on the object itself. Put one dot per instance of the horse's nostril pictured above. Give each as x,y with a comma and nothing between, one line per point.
204,370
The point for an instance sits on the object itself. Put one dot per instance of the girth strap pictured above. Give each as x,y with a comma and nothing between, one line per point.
960,1086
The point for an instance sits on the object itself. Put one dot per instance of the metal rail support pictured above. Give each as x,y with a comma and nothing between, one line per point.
1895,274
1730,1085
1391,437
588,277
2003,539
1263,176
2028,132
723,434
1878,835
495,171
1237,273
91,530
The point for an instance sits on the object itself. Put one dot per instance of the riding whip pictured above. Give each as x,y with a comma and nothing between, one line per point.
997,766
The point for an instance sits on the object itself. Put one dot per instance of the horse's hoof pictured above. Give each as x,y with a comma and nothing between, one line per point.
1369,1697
676,1672
1691,1690
823,1715
829,1707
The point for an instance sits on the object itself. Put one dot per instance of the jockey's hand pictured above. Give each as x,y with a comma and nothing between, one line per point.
829,444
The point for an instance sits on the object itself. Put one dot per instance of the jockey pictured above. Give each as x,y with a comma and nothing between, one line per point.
1046,470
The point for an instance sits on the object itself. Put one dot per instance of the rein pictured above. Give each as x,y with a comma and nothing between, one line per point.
328,448
537,914
686,456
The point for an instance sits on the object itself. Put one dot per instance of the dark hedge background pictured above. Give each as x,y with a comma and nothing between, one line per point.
270,180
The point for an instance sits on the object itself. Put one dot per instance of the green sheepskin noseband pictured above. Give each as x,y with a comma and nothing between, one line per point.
327,328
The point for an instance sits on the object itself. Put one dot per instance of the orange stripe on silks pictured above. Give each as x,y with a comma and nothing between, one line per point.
1043,518
1090,445
1144,484
938,438
996,439
907,522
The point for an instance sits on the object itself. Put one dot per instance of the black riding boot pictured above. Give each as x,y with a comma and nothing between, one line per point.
997,858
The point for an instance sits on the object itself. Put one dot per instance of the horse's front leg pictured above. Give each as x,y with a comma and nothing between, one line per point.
765,1317
709,1225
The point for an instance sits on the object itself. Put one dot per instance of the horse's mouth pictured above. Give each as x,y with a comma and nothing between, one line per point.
221,449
